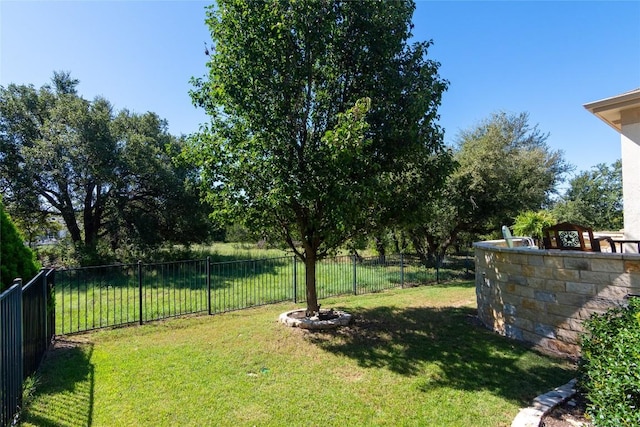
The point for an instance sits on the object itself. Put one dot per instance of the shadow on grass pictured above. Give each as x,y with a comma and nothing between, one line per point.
467,356
64,387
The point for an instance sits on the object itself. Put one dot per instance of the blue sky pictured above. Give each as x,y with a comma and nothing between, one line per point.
547,58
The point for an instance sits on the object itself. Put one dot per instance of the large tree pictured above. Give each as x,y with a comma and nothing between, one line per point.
594,198
505,167
321,115
101,172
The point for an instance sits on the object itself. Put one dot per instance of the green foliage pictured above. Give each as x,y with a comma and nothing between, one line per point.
238,233
59,255
532,223
322,120
16,260
504,167
111,177
610,366
594,198
35,224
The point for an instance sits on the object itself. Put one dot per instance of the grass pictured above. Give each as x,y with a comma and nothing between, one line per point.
222,252
106,296
414,357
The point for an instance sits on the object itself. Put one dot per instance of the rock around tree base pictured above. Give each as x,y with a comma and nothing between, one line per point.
327,319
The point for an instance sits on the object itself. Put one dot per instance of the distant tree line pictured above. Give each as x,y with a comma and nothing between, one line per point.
123,185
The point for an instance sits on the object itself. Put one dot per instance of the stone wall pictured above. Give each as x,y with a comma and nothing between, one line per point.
543,296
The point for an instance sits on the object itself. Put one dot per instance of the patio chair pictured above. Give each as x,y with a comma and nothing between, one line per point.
573,237
527,242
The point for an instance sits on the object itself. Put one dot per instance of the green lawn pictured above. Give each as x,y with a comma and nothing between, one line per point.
414,357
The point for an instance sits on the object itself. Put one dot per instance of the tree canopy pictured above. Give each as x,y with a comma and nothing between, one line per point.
504,167
594,198
110,176
322,118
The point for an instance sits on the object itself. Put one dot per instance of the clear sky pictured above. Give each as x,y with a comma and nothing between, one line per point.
547,58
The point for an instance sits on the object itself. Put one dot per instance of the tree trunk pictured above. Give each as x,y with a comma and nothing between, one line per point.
69,218
92,215
380,248
396,242
421,248
310,281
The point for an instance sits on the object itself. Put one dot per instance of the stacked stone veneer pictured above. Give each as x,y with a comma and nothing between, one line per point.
543,296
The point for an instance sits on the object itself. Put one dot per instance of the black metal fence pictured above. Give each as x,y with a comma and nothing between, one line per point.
26,330
38,319
97,297
11,352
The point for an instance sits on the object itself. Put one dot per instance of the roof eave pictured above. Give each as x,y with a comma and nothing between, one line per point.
609,110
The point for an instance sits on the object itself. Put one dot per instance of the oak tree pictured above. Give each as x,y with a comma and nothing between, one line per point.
504,167
594,198
111,176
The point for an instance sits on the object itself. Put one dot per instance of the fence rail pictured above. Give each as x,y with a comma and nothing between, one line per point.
97,297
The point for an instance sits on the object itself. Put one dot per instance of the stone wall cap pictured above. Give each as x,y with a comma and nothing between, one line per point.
495,246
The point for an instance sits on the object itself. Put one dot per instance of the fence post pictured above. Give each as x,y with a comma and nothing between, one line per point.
295,279
401,270
44,313
140,290
208,272
355,286
51,305
11,352
466,265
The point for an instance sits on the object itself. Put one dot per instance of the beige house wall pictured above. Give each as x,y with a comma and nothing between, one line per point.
543,296
622,113
630,148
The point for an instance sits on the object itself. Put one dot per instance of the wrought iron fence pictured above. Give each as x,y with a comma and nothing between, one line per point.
38,319
11,352
98,297
26,330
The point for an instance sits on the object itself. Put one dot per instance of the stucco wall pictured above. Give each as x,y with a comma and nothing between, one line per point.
630,149
543,296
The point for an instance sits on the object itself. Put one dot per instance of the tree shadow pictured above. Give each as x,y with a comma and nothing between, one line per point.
64,390
467,356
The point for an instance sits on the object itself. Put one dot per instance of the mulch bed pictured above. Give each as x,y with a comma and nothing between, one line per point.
571,413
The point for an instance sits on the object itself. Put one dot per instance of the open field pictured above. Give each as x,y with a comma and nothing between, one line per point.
413,357
96,297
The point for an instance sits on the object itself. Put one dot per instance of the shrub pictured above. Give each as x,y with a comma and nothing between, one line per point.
532,223
59,255
610,366
16,260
